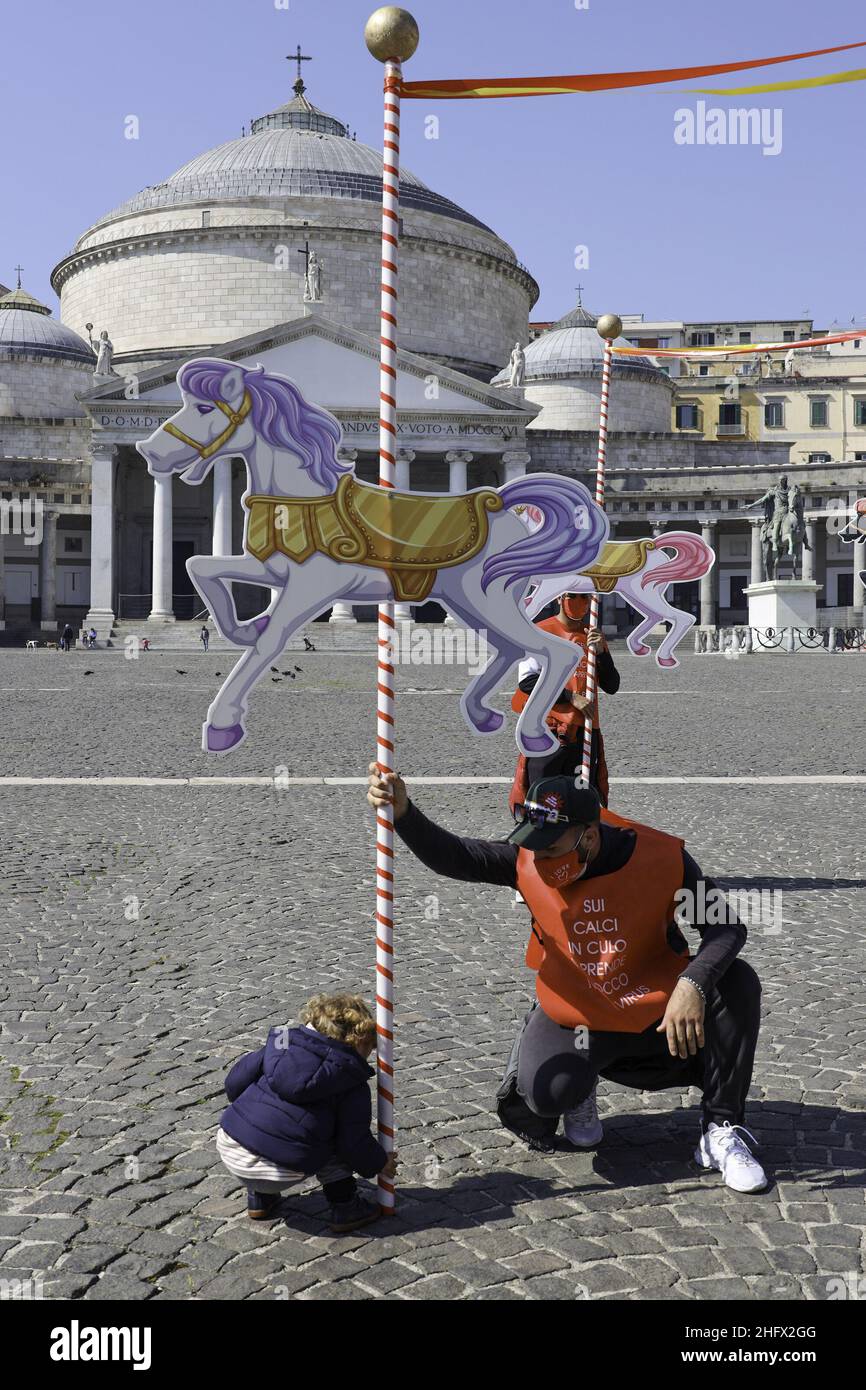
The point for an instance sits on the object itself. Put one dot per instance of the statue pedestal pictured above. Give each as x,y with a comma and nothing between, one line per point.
782,603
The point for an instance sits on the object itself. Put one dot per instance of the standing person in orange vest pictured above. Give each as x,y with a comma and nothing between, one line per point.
566,719
618,994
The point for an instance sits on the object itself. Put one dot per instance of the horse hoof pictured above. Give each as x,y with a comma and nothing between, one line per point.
639,649
668,661
216,740
543,744
489,722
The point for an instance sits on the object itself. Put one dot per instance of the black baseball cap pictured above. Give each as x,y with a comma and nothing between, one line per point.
565,798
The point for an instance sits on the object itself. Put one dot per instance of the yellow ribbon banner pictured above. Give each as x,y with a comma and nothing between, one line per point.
453,88
831,79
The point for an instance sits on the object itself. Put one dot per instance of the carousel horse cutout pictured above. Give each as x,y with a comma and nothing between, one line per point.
314,535
640,571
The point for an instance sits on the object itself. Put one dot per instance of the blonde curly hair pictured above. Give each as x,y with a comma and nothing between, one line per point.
343,1017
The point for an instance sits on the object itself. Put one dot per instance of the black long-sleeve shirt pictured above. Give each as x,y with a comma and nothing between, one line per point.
607,676
495,861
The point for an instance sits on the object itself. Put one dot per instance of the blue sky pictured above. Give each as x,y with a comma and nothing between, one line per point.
695,232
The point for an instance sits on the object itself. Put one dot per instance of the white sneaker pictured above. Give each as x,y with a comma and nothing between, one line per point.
582,1126
722,1148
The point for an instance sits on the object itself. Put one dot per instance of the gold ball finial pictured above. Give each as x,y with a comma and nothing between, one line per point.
609,326
391,34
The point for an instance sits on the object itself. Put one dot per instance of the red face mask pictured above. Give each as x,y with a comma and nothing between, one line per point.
575,607
565,868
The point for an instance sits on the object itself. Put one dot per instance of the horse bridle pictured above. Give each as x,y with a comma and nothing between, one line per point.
236,418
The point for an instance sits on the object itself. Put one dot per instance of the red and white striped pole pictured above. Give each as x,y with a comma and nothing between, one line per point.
392,37
608,327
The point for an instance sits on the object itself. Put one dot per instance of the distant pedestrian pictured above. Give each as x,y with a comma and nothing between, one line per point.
308,646
204,636
301,1106
67,639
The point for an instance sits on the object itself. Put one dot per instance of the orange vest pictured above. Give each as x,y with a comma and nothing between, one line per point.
600,945
566,715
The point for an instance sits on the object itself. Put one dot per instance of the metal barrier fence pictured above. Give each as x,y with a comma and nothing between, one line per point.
743,640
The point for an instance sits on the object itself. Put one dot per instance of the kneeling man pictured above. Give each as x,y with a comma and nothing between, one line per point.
618,994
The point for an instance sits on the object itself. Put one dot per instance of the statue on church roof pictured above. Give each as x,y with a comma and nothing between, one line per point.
104,349
517,366
313,289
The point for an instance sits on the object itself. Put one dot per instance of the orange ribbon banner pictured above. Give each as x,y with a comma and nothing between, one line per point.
592,81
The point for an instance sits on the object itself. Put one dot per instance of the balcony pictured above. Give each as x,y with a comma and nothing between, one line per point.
724,431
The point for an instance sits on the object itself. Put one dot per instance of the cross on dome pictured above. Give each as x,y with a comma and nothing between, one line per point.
299,57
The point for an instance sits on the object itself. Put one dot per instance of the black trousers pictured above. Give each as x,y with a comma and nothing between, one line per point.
566,762
554,1075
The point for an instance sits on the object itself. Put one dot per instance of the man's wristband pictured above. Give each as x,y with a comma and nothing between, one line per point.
690,981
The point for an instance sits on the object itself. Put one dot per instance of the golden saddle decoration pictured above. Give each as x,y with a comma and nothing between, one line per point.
409,535
617,560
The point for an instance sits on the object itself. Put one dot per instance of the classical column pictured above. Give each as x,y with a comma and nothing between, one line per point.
403,474
608,601
757,560
709,581
2,581
403,481
100,615
458,461
161,609
222,507
515,461
809,555
859,595
342,613
48,571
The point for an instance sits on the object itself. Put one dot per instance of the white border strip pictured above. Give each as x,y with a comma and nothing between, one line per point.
817,781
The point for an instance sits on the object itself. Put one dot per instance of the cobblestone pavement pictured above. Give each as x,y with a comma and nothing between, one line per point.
152,934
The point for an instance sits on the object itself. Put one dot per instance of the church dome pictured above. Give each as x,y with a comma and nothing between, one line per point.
216,252
563,376
44,368
28,330
296,151
573,348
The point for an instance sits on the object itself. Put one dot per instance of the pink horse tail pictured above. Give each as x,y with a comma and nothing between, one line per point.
693,559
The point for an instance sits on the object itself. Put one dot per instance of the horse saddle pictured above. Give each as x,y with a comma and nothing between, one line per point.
408,535
617,560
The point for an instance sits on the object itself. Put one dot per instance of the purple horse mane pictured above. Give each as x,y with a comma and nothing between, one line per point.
280,416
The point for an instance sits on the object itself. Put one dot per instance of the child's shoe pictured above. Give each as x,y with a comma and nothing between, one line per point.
347,1216
262,1205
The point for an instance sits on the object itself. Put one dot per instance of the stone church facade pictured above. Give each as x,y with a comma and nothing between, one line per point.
266,249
